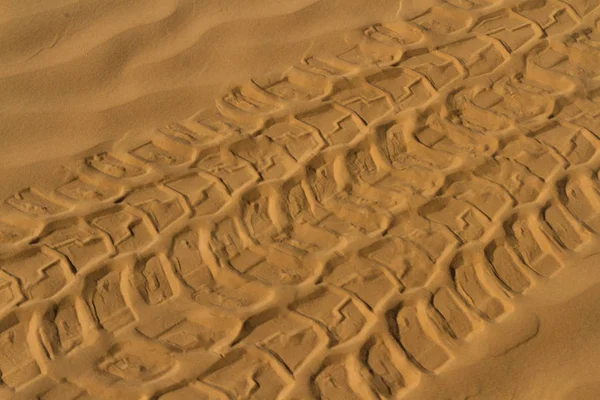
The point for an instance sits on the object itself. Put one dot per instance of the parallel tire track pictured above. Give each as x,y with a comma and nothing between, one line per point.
334,231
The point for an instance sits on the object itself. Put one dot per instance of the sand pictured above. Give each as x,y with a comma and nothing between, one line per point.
299,199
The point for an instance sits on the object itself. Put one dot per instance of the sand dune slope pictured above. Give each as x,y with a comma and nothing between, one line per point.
380,211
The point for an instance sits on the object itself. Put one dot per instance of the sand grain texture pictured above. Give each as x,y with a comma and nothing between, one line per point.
256,200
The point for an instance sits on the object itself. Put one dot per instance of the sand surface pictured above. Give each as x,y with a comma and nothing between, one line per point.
300,199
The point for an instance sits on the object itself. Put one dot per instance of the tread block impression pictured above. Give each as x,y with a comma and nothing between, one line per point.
473,289
271,266
524,236
288,336
482,194
227,239
424,146
362,277
407,260
213,124
162,152
506,266
328,67
579,194
112,166
365,165
358,213
300,140
577,146
65,390
342,209
294,86
80,189
509,100
161,205
582,7
411,175
135,362
334,209
188,135
514,177
510,29
562,228
10,234
336,312
270,159
151,281
233,171
361,56
407,88
34,204
273,256
127,230
471,4
441,21
205,193
246,100
478,55
464,220
367,101
17,364
10,293
247,374
188,261
574,58
311,229
541,160
383,368
437,67
193,331
80,244
332,381
447,138
437,241
453,317
335,123
105,299
193,391
396,34
40,272
581,111
189,264
60,332
552,16
418,340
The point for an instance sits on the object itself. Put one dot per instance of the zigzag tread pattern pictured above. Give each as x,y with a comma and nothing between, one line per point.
335,231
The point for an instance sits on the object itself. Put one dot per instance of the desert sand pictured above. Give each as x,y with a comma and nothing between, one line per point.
300,199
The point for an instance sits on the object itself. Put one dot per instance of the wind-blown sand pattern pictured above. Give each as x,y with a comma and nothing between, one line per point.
346,228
